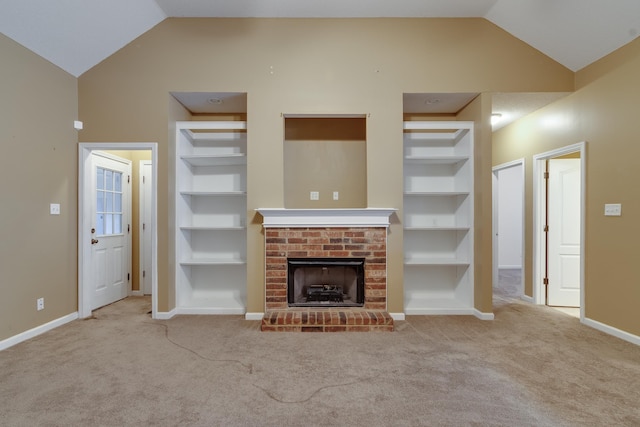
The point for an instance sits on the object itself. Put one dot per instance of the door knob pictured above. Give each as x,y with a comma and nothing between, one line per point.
94,241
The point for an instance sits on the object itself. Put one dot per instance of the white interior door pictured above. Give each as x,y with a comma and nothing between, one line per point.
110,229
495,221
564,232
146,227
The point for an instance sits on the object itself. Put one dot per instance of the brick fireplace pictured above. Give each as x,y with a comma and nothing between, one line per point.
326,234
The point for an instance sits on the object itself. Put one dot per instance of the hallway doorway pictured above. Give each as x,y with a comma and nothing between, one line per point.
508,227
558,237
86,221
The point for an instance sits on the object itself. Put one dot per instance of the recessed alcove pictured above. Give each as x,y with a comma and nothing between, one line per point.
327,155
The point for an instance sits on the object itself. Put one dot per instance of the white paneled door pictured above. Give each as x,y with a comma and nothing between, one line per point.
110,228
564,232
146,223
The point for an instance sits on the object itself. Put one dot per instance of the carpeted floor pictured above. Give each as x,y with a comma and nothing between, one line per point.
531,366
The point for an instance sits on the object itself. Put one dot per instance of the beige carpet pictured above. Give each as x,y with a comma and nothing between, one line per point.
532,366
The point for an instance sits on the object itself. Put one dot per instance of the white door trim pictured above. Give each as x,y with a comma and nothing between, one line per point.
495,170
539,207
84,219
141,212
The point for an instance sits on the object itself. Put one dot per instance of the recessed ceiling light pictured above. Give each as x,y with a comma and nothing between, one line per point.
214,101
495,118
431,101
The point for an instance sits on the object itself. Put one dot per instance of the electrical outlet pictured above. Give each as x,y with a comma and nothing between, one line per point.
314,195
54,208
40,304
614,209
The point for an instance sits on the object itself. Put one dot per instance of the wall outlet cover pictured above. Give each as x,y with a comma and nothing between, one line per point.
613,209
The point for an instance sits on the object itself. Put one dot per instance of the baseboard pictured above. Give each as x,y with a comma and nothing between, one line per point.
253,316
397,316
483,316
509,267
137,293
527,298
165,315
38,330
633,339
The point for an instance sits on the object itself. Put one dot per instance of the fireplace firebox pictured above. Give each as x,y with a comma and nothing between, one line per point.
325,282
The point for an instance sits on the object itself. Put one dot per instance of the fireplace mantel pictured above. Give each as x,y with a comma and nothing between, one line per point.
308,218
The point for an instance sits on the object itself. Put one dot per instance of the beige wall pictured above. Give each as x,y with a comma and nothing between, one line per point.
479,112
38,166
325,155
604,113
305,66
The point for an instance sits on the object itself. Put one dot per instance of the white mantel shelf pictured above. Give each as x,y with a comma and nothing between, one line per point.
303,218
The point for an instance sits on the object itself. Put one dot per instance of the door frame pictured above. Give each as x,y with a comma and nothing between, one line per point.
495,220
141,212
84,219
539,209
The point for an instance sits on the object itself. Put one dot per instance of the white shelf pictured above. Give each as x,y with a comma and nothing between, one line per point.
213,193
211,228
212,261
211,159
437,193
431,305
212,302
438,217
436,261
435,160
438,228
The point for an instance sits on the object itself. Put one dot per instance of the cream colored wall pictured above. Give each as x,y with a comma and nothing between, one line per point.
479,112
286,66
38,166
604,114
325,155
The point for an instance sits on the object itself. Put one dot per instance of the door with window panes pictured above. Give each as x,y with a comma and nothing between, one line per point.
110,232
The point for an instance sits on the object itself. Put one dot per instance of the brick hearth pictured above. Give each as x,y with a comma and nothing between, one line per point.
327,242
327,320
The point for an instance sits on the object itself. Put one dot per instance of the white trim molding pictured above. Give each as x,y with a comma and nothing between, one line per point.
253,316
483,316
165,315
397,316
633,339
38,330
302,218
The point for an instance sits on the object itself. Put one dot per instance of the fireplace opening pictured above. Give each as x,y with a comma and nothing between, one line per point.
325,282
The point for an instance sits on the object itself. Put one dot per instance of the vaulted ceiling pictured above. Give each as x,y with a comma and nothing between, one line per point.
77,34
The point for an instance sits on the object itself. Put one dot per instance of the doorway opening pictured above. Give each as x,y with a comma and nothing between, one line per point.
86,218
508,229
559,187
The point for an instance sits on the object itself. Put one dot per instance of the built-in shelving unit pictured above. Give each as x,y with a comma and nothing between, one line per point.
211,209
438,217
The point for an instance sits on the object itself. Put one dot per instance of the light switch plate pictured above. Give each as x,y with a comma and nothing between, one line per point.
613,209
54,208
314,195
336,195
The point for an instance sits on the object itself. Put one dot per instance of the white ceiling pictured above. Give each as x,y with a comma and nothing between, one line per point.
78,34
